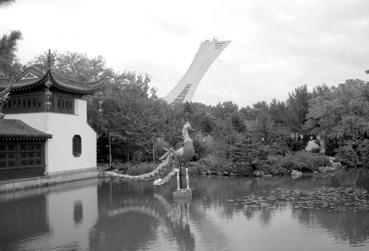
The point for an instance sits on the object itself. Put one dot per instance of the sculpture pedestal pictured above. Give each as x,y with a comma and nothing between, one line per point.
182,194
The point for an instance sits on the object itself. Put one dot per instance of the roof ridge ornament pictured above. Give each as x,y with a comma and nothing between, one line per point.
48,83
49,61
3,98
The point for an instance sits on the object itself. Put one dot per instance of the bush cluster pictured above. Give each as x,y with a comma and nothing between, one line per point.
304,161
216,164
135,169
363,152
272,159
347,156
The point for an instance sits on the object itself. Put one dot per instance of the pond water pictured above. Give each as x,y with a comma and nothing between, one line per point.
330,213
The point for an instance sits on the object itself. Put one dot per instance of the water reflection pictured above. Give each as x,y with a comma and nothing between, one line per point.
142,216
78,212
15,213
346,227
48,218
114,215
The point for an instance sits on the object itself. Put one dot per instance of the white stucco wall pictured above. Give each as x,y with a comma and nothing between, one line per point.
59,152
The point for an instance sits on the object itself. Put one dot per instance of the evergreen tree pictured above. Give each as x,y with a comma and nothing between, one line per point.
8,62
4,3
347,156
9,65
363,152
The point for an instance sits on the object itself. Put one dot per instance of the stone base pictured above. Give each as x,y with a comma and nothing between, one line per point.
182,194
48,180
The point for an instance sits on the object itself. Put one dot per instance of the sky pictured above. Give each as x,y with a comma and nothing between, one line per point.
277,45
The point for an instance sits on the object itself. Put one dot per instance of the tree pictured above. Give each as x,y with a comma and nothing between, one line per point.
341,112
297,107
263,125
248,112
4,3
9,65
132,110
279,112
242,154
363,152
76,66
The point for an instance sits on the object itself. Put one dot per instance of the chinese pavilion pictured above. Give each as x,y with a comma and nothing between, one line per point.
43,125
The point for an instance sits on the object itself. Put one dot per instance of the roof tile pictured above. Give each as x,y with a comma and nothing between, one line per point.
15,128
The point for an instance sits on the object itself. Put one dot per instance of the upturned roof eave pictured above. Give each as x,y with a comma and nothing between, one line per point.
74,86
58,82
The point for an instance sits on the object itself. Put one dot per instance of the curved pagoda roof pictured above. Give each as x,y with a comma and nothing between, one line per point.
32,78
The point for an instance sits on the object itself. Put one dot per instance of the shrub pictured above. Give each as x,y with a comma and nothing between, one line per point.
138,169
315,150
159,147
214,163
275,149
275,162
296,145
243,169
262,165
347,156
247,151
203,145
363,152
248,155
304,161
313,159
331,144
291,163
196,168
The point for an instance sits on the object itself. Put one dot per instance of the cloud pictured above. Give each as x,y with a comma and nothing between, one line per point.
276,45
169,27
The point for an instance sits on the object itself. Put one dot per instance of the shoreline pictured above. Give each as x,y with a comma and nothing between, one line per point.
90,173
48,180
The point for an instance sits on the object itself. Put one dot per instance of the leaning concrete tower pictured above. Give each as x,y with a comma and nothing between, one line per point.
205,56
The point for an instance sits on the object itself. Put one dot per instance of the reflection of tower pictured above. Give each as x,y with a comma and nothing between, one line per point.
206,55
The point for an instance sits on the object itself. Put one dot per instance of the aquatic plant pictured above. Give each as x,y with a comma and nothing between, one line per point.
331,198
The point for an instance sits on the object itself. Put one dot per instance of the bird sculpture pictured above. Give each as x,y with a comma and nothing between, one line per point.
184,155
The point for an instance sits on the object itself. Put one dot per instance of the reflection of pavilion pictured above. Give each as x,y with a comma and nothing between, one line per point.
59,216
13,213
